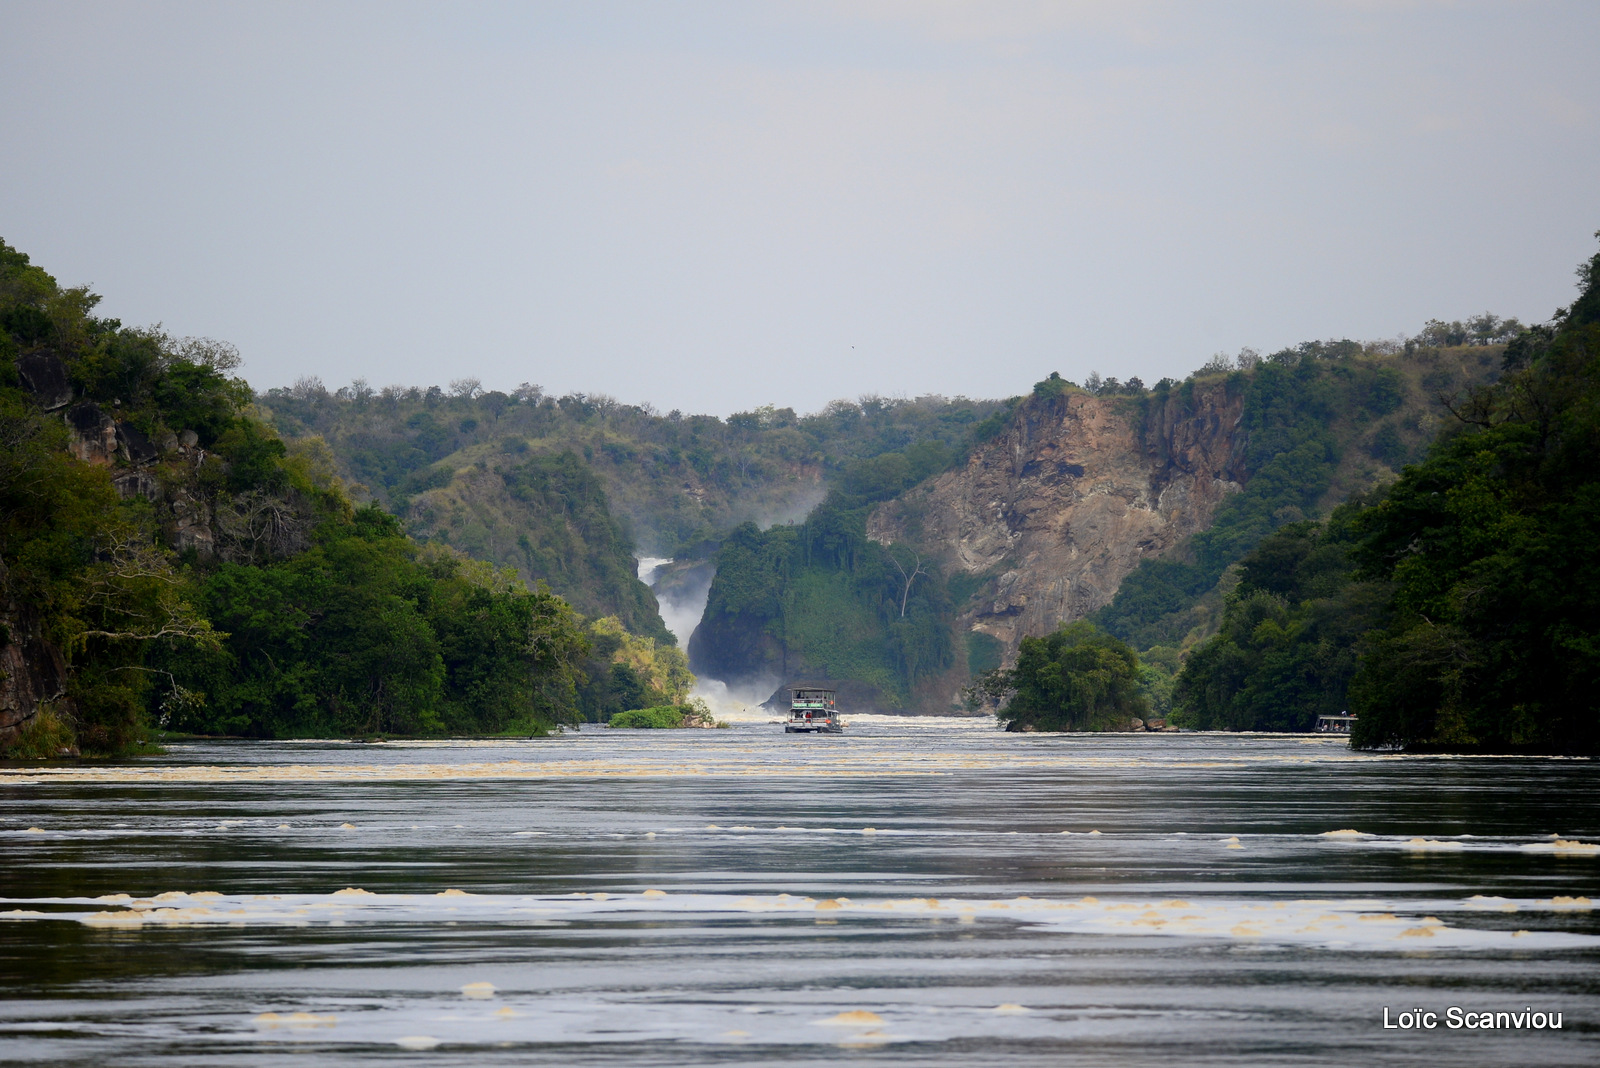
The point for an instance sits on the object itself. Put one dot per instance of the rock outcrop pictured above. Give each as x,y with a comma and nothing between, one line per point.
44,376
33,674
93,434
1054,513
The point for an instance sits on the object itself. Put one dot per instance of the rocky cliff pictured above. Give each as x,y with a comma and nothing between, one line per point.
65,462
1048,518
33,674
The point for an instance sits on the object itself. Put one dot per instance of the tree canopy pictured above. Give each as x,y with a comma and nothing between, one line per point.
1078,678
1457,609
167,560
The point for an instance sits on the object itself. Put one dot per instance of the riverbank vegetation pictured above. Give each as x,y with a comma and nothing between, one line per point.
689,714
1455,610
178,552
568,489
1078,678
168,561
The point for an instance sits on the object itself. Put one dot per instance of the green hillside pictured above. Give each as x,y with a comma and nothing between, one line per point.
568,489
1322,421
1455,609
820,600
166,560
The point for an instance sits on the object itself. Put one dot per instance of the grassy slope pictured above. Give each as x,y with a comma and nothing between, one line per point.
675,484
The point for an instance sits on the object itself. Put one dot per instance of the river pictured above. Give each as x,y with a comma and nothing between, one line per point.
918,891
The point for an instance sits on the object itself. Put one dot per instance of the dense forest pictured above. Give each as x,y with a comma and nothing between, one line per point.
1451,607
820,600
1412,539
1455,609
569,489
167,560
1078,678
1309,411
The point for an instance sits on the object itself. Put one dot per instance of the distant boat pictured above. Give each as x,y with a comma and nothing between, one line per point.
812,711
1334,724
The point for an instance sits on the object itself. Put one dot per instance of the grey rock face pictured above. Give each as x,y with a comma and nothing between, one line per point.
137,484
136,447
45,377
32,671
94,434
1063,505
192,526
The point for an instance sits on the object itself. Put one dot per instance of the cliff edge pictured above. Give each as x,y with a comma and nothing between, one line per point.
1048,518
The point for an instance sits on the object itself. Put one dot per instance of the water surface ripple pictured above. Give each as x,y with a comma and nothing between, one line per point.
914,892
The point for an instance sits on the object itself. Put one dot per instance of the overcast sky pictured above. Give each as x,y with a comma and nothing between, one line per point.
714,206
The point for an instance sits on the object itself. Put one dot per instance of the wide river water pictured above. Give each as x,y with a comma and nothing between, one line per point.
917,891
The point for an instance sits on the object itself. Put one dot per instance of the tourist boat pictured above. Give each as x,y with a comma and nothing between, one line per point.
1335,724
811,711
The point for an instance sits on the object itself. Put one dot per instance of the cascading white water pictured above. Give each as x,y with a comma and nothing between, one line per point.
682,604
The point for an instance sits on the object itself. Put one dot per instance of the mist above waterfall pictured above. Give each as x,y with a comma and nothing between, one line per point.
681,590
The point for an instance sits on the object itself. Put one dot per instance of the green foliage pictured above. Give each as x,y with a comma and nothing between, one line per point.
769,462
1077,679
558,487
1492,642
662,717
1456,610
1149,606
1388,446
984,652
823,600
1485,329
1053,386
1288,403
254,457
995,422
1286,651
84,585
43,736
299,616
361,636
571,541
624,671
1303,408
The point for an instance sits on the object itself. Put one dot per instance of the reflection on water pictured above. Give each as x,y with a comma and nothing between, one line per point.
915,891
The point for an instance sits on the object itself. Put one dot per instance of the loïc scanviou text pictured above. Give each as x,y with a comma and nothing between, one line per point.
1456,1018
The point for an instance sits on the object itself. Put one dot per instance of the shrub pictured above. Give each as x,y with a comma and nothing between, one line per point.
43,736
663,717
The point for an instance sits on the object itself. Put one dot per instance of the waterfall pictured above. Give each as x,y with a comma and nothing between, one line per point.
681,594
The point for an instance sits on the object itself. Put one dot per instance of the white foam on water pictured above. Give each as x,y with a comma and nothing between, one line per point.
421,1022
1563,847
739,703
871,746
1367,925
649,565
1466,843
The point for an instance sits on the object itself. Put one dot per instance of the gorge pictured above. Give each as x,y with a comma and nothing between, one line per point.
892,548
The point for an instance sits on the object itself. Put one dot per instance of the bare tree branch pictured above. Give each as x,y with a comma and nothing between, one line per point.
909,577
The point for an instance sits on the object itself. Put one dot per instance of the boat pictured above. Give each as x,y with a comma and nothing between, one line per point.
812,711
1335,724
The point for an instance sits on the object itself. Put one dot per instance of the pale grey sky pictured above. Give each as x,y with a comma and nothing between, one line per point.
712,206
